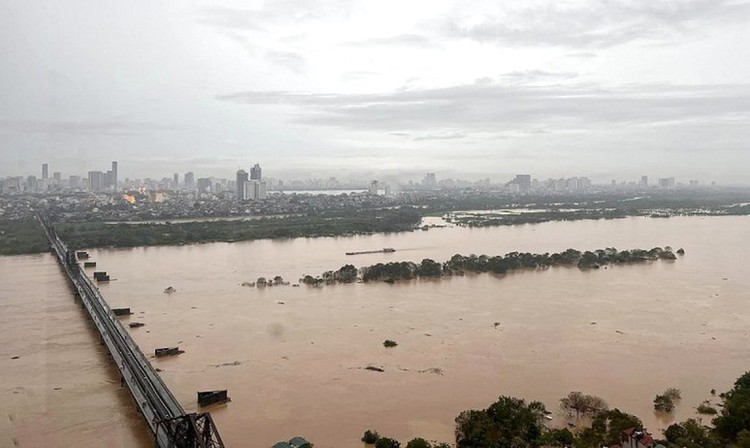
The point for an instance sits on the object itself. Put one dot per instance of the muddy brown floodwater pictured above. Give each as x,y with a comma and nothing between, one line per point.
293,358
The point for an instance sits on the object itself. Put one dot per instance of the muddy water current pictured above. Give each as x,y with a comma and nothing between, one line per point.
293,358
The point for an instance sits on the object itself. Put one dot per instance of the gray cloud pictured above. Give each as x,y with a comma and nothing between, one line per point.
449,135
536,76
407,40
497,107
287,59
582,55
272,13
601,23
85,127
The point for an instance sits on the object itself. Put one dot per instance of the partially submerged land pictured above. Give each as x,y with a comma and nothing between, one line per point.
462,264
87,223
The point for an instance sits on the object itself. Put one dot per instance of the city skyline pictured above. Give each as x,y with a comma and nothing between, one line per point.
327,88
252,186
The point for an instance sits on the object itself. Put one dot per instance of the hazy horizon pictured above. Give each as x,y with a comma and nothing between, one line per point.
605,89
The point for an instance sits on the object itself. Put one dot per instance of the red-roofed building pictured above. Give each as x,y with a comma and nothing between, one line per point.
633,438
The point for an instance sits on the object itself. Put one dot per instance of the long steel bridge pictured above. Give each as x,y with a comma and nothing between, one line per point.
171,425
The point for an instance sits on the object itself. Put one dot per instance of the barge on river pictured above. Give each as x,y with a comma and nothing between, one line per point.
385,250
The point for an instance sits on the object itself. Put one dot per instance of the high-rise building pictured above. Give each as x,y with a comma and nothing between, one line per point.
429,181
241,181
204,184
113,180
96,181
255,190
45,171
75,182
524,182
373,190
666,182
255,172
190,181
31,184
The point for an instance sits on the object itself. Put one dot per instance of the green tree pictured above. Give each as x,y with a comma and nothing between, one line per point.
557,437
663,403
508,423
387,442
606,428
429,268
418,443
735,415
370,436
690,434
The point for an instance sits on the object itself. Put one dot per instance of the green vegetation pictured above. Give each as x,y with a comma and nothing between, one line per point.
370,436
386,442
666,401
509,422
418,443
461,264
690,434
733,423
22,237
513,423
97,234
706,409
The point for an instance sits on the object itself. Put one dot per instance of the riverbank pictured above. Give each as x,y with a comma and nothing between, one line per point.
23,236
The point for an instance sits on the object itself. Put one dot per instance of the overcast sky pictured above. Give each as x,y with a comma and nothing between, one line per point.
605,89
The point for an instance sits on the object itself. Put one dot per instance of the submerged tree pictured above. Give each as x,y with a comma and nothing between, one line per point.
582,404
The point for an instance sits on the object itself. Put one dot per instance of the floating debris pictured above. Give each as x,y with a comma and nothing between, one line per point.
167,351
227,364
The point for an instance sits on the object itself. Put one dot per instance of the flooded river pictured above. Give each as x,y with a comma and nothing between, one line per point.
293,358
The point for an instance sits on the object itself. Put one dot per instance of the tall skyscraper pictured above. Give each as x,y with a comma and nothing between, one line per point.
241,181
114,175
429,181
96,181
255,172
374,186
190,181
524,182
45,171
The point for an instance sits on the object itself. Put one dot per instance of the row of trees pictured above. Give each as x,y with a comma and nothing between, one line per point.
459,264
341,223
